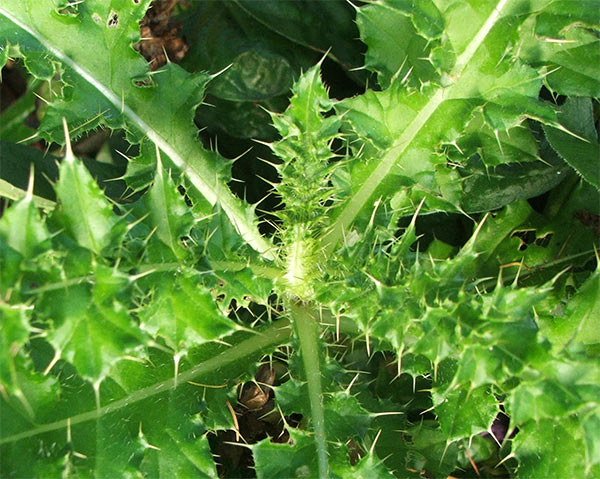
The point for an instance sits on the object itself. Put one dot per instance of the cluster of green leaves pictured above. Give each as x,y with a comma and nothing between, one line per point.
433,263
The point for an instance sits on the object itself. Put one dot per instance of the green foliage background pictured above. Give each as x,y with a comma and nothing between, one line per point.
423,263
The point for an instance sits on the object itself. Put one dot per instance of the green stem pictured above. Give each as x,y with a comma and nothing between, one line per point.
307,328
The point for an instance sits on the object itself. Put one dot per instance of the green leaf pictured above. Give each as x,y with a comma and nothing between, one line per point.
22,228
316,26
161,411
173,450
462,412
584,310
84,211
563,38
484,190
244,286
430,451
493,361
578,146
282,460
91,327
298,460
439,336
345,418
12,119
257,68
402,134
550,449
561,388
401,37
580,320
590,426
184,313
259,63
14,334
305,148
168,212
103,88
16,162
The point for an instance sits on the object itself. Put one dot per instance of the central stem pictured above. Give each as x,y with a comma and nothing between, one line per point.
307,329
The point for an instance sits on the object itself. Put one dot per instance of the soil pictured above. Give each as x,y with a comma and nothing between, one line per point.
161,35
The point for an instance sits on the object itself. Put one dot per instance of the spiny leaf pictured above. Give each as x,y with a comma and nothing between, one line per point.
401,37
550,449
105,91
244,286
298,460
461,412
176,446
183,313
345,418
305,148
91,328
583,311
14,334
403,132
430,451
563,38
161,409
168,212
578,146
22,228
559,388
84,211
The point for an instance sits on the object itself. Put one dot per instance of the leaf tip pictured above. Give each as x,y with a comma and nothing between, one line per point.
29,194
69,157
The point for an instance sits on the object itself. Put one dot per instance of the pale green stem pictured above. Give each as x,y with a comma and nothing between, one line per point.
307,329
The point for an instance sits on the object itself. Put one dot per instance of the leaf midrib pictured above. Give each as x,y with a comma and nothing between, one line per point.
271,336
214,193
353,206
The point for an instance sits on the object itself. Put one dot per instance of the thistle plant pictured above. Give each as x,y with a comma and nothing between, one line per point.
429,274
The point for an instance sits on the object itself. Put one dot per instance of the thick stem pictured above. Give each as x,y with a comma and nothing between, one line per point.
307,328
